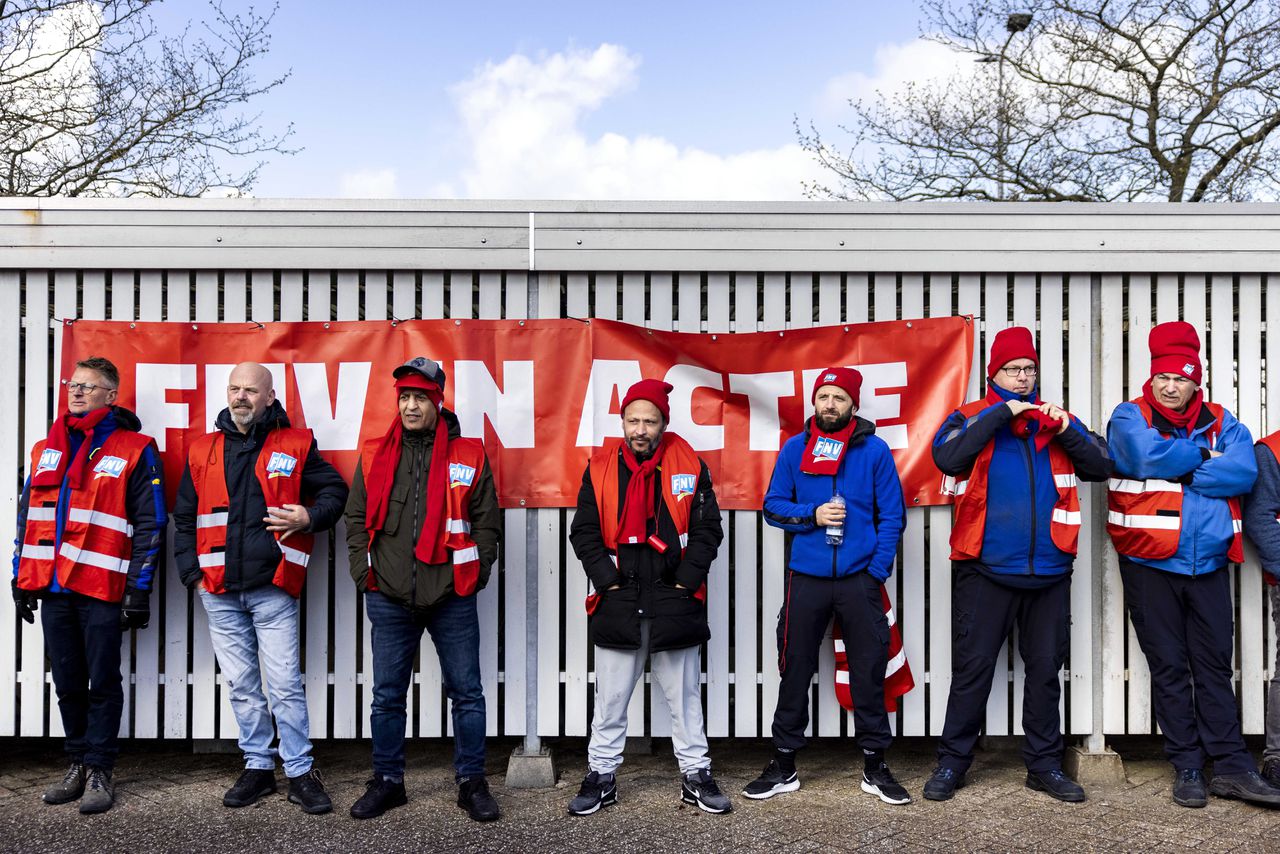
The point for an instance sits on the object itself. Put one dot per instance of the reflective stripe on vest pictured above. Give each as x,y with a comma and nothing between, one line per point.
1144,517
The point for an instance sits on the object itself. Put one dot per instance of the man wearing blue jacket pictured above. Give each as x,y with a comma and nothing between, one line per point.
1174,515
837,474
1013,462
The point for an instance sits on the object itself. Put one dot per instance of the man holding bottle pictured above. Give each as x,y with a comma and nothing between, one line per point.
835,488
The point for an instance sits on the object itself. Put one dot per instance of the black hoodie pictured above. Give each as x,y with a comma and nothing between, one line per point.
252,553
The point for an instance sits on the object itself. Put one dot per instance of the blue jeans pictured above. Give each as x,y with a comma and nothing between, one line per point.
82,640
455,630
246,626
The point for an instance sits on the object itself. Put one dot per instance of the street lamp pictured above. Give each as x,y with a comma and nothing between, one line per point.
1015,23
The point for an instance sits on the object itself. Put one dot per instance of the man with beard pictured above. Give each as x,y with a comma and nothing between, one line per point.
253,494
646,530
1174,515
91,526
422,527
1012,461
836,491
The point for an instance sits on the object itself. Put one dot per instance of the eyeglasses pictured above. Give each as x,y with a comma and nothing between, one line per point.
85,388
1029,370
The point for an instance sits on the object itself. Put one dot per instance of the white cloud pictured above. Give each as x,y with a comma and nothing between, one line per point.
368,184
895,66
521,121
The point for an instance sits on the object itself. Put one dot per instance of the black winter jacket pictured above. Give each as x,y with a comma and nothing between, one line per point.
252,553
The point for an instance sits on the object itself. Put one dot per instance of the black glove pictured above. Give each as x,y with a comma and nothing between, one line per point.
26,602
135,609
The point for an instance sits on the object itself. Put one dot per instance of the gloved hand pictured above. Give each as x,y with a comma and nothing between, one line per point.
135,608
26,602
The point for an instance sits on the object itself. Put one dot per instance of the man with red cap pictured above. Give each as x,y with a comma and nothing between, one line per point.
835,489
1173,513
1012,461
646,530
422,527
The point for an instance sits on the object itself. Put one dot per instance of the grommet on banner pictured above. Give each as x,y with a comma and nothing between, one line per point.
908,324
521,502
326,326
133,326
846,329
457,323
915,501
194,326
522,323
713,337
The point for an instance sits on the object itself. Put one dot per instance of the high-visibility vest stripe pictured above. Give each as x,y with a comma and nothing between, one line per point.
31,552
98,559
42,514
1162,523
102,520
457,526
1064,481
466,555
212,559
293,555
1134,487
1066,517
212,520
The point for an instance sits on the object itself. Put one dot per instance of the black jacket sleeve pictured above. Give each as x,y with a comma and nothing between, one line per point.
1261,507
184,531
357,536
1088,451
959,440
588,540
144,505
706,531
486,522
325,487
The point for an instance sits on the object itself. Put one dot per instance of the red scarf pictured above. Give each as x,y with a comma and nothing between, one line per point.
1186,419
378,480
60,440
825,451
1024,422
638,504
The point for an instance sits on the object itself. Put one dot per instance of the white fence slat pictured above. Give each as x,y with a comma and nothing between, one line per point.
515,624
1251,626
660,302
490,296
432,296
122,296
10,487
913,569
1139,682
746,302
574,625
1114,617
515,295
748,646
1079,377
235,305
404,295
375,295
996,294
292,294
829,293
93,295
606,297
969,301
938,673
1166,297
262,296
857,298
36,423
319,295
633,289
550,618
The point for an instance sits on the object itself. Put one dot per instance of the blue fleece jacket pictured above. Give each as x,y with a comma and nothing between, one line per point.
1261,506
868,480
1142,452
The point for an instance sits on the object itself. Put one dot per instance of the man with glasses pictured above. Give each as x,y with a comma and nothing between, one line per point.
1174,515
1012,462
91,524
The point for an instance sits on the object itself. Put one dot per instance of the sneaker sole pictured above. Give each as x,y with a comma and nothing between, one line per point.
778,789
96,810
1037,786
235,805
383,811
1191,803
1237,794
318,810
873,789
604,802
700,804
53,802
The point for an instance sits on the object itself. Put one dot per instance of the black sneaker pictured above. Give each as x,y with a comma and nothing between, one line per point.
1247,786
596,792
379,796
1056,784
701,790
254,783
1189,789
69,788
1271,772
879,782
307,791
99,792
772,781
474,797
943,784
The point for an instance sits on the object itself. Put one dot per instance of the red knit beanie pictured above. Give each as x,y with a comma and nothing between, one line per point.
1175,349
654,391
848,379
1009,344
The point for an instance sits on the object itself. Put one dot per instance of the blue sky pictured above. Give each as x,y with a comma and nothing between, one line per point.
565,100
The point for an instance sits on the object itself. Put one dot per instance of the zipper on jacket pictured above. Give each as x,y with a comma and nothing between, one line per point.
1031,478
835,550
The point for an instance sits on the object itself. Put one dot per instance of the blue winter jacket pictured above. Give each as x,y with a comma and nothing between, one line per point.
1141,452
868,480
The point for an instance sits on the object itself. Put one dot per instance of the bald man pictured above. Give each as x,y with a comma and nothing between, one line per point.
253,493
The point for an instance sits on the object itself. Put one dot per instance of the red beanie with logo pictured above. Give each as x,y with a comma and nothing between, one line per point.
848,379
654,391
1009,344
1175,349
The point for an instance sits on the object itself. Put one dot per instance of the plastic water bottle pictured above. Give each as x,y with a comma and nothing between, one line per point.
835,533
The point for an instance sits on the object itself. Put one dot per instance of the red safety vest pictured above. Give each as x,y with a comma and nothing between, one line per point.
466,462
970,491
1144,517
679,481
1273,443
279,472
97,538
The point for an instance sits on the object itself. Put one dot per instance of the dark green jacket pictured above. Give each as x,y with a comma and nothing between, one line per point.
399,574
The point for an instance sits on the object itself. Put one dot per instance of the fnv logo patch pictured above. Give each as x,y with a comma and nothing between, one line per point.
281,465
683,485
829,378
49,460
109,467
827,449
1188,369
460,475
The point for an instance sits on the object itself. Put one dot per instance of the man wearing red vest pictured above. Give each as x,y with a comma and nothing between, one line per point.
423,525
252,495
646,530
1262,524
1012,462
837,475
91,526
1174,516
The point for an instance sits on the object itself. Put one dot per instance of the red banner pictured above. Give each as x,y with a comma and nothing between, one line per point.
543,393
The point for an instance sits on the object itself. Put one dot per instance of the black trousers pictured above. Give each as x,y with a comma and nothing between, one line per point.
807,607
1185,627
82,640
983,612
